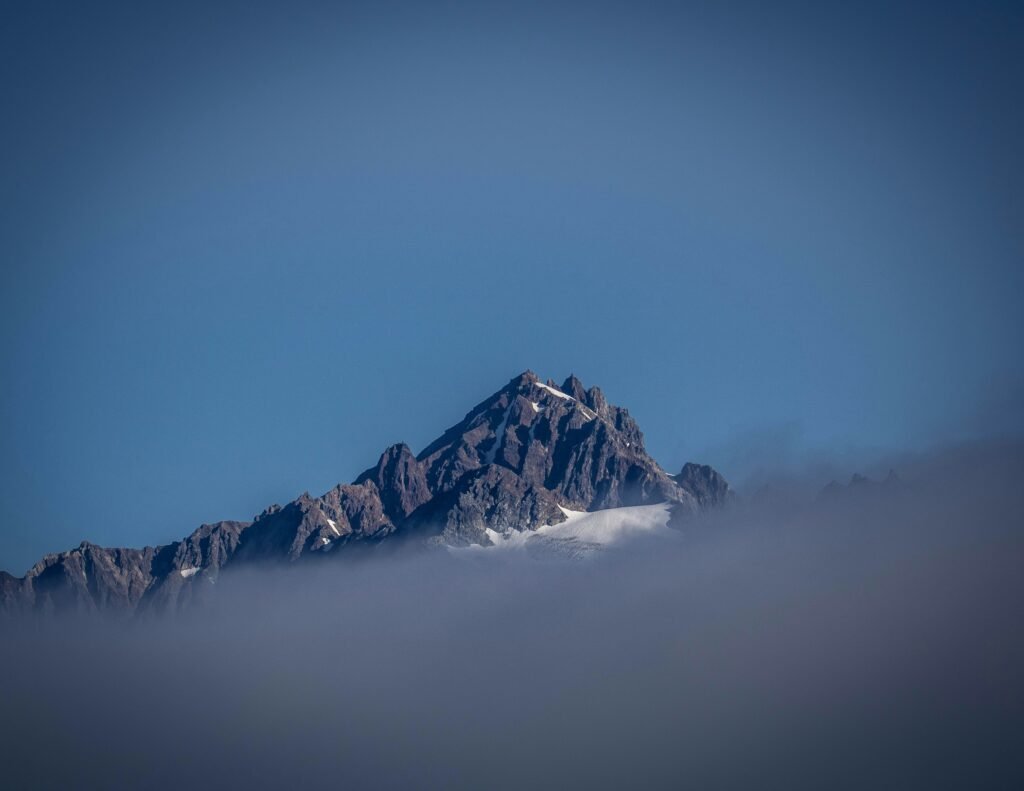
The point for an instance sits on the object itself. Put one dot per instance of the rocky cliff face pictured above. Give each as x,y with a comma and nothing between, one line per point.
706,485
92,578
489,498
582,448
511,464
400,480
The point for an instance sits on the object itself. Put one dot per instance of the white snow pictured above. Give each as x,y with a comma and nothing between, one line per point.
325,539
334,527
559,394
536,406
556,393
611,525
189,572
589,530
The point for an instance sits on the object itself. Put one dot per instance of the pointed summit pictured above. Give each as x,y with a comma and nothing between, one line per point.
564,439
525,379
596,400
574,387
399,480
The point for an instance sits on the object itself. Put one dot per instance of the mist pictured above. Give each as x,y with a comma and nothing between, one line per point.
867,639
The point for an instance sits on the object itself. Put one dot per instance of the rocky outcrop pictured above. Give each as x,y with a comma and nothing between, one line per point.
508,465
308,525
180,570
400,481
210,547
92,578
89,578
707,486
589,452
490,498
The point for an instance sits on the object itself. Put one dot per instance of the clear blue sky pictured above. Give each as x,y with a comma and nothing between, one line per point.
245,248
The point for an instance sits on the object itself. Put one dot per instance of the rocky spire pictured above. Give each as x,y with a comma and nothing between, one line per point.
400,481
565,439
574,387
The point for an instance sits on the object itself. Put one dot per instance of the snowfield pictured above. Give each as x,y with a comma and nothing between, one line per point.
584,532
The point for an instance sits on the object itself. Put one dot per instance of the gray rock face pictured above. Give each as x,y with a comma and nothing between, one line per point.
491,497
209,547
706,485
179,570
508,465
91,578
348,512
589,452
400,480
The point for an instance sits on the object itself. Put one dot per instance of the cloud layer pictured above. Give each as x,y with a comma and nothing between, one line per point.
868,639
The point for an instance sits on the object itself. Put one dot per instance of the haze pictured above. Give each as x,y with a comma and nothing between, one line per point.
870,640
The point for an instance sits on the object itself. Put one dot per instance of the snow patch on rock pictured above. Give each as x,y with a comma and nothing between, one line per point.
588,414
585,531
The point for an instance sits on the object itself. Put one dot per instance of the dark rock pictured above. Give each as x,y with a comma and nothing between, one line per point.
492,497
357,509
400,480
589,452
574,387
348,512
508,465
89,579
706,485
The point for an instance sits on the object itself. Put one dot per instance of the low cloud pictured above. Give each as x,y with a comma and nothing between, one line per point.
870,639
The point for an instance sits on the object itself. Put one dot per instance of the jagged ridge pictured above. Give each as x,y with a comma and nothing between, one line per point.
506,466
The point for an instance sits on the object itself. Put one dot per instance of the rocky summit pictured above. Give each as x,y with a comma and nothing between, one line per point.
529,456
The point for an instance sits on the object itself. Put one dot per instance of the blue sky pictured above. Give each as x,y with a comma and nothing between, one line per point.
245,248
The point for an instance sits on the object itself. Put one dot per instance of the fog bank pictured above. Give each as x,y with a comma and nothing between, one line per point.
868,639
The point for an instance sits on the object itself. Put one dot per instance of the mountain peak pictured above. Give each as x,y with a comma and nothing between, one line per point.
565,439
574,387
399,480
512,464
526,376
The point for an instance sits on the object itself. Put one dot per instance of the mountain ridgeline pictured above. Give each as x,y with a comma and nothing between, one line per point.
513,463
